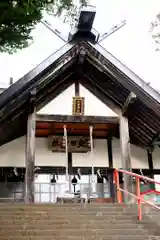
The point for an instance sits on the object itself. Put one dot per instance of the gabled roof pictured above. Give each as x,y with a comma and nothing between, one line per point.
100,72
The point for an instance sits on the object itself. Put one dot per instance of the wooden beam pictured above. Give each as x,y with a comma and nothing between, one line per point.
76,119
125,154
30,150
130,100
77,88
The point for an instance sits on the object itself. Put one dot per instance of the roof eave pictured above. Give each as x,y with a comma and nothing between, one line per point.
109,64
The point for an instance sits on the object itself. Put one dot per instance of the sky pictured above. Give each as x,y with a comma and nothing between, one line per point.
133,44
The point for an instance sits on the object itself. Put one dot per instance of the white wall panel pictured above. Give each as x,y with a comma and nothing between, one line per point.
45,157
13,154
116,151
138,156
100,156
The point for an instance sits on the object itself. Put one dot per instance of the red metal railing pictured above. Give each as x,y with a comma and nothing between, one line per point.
138,196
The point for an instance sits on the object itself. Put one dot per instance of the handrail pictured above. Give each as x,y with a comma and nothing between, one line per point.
138,195
137,175
140,198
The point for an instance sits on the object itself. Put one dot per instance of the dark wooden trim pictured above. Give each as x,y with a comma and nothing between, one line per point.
75,135
76,119
109,147
77,88
61,170
70,170
130,100
150,163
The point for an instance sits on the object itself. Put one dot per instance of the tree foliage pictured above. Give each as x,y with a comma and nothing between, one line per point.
19,17
155,29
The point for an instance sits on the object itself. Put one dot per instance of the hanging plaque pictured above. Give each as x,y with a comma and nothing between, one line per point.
78,106
75,144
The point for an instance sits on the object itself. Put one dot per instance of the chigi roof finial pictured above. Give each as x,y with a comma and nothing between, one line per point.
83,28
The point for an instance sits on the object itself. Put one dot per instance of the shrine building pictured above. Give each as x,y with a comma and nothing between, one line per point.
68,123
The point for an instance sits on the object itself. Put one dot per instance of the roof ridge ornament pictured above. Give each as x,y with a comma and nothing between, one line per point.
82,53
83,29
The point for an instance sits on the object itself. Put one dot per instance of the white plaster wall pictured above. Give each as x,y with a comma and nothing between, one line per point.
99,158
116,151
138,156
45,157
156,158
13,154
63,104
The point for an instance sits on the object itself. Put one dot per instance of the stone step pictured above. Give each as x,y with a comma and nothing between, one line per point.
80,225
59,204
115,237
66,215
71,222
75,232
84,210
81,218
42,205
60,210
66,211
80,213
51,226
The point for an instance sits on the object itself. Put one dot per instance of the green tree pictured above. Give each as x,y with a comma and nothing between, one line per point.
19,17
155,29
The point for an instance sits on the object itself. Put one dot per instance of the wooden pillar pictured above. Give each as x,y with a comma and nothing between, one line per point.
109,145
125,154
70,170
30,150
150,163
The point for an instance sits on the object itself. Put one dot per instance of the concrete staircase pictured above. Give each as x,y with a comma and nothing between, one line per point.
72,222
